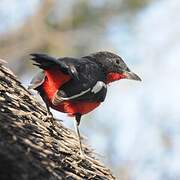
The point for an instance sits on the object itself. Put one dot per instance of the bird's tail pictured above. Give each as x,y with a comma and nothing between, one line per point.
37,80
43,61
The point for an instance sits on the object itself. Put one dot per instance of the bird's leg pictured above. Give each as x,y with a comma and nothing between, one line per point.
77,122
49,114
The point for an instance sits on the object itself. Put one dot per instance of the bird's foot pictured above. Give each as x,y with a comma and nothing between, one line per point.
82,154
84,157
48,117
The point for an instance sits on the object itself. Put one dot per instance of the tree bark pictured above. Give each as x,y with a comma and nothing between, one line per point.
31,147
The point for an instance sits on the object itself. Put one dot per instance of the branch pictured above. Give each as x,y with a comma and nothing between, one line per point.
30,147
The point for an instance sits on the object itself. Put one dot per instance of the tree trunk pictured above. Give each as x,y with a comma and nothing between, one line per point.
31,147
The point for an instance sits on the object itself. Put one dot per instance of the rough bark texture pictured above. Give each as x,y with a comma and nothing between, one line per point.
31,147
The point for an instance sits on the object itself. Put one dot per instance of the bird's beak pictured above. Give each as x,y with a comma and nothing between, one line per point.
131,75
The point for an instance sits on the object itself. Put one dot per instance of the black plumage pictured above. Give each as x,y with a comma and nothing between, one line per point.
85,74
85,85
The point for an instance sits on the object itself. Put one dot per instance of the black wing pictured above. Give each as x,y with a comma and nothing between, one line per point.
87,83
95,94
65,64
89,87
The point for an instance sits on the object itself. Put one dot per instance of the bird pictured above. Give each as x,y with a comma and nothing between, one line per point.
77,86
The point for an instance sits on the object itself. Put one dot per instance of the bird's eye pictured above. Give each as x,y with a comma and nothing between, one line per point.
117,61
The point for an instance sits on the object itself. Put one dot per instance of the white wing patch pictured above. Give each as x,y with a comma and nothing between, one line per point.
77,95
98,86
57,99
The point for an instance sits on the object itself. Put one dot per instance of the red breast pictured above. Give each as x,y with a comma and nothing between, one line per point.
54,80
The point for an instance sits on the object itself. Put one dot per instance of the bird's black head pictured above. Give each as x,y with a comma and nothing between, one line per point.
114,67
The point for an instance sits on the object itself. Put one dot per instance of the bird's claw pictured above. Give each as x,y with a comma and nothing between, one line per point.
48,117
81,154
83,157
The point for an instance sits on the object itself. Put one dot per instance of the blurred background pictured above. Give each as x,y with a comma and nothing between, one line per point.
137,130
